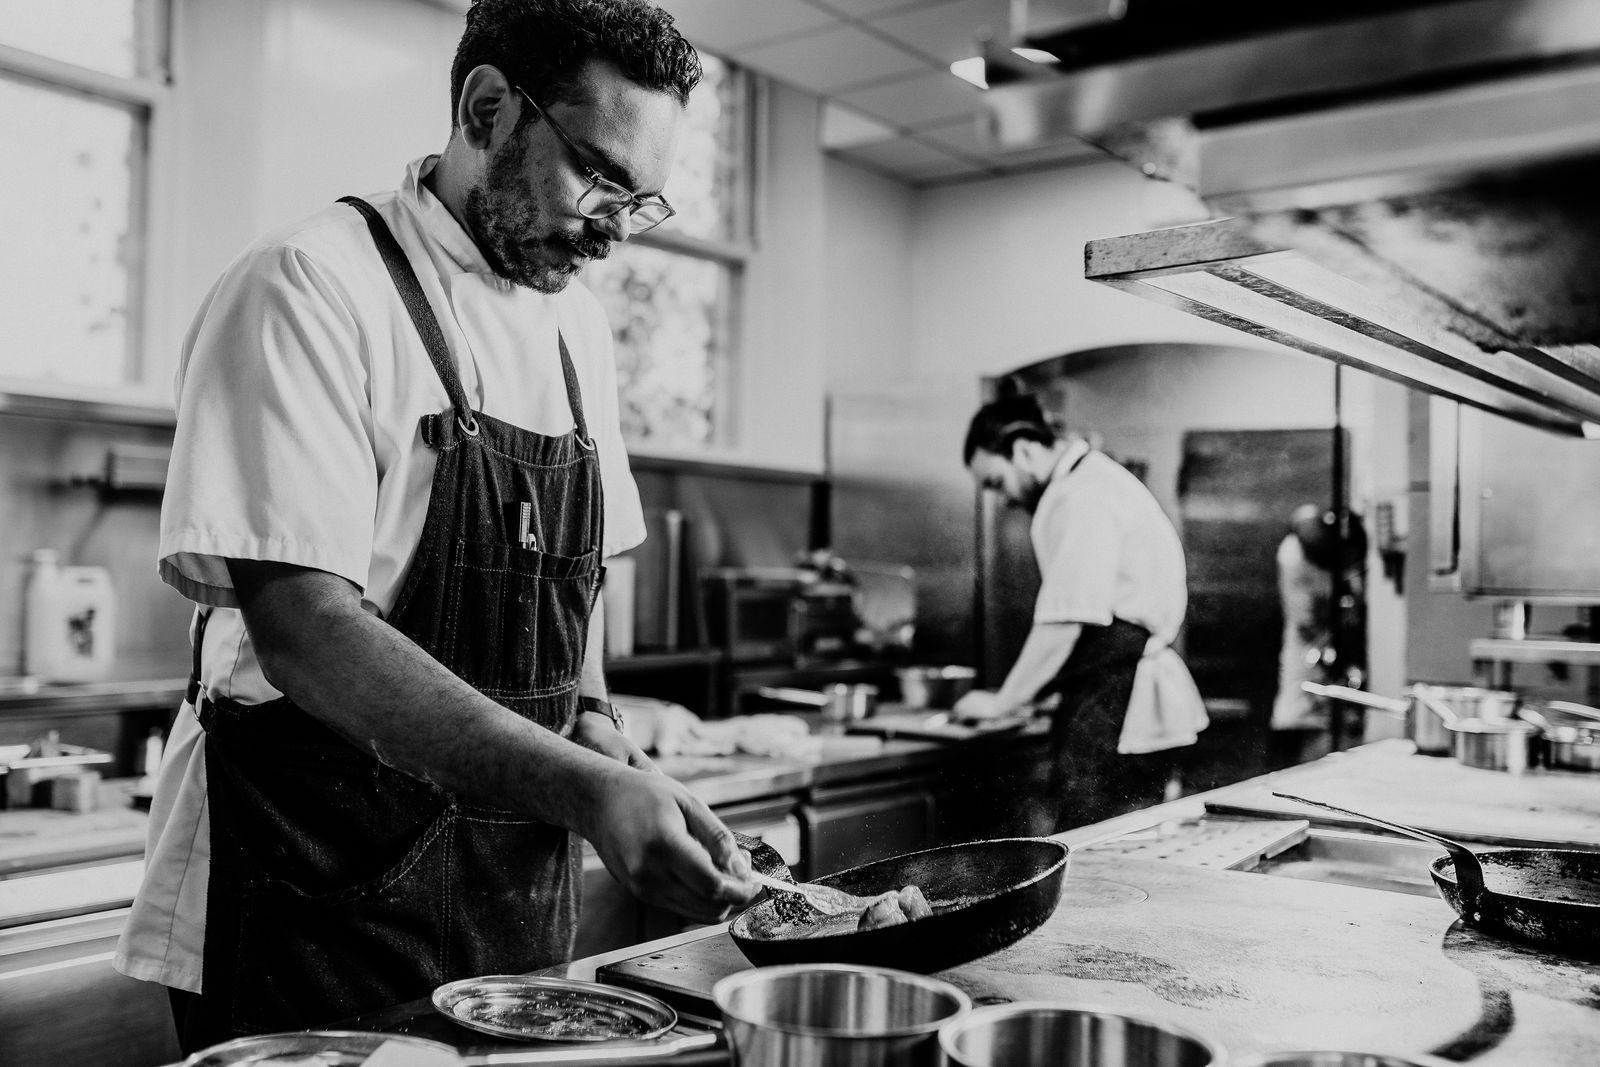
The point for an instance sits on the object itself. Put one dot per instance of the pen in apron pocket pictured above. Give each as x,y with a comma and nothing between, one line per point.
525,538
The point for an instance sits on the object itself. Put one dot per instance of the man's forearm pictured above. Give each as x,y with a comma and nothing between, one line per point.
380,691
1043,654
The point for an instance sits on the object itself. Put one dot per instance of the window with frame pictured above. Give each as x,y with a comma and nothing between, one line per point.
80,82
672,294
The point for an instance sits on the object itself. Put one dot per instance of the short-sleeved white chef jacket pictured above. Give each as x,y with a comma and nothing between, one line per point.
1106,550
299,394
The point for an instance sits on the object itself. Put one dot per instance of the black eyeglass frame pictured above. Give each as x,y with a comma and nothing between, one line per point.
600,186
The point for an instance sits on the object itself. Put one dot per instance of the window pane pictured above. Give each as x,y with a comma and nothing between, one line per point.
667,311
706,175
67,260
101,34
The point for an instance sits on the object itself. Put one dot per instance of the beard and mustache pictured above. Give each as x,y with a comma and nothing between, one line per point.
501,220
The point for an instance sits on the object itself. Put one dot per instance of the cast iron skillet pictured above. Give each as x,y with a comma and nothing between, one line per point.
985,895
1548,896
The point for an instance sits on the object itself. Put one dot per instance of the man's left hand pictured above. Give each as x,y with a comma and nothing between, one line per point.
978,704
599,734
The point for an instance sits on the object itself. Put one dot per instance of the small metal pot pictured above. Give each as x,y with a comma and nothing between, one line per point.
835,1015
1571,734
934,687
1495,745
1044,1034
1428,709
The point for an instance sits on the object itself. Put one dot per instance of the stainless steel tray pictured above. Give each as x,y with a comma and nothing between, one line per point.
553,1009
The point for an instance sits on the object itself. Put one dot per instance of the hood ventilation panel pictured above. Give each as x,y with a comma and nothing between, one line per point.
1404,186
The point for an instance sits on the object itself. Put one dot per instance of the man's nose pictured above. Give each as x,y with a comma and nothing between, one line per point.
614,227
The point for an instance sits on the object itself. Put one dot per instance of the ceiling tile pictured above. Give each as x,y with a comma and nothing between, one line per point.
865,8
911,159
967,138
935,97
949,31
725,25
843,127
831,60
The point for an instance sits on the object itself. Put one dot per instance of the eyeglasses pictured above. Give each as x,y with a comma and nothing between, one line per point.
605,198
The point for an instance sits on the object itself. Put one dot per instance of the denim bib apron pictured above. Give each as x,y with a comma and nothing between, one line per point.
340,885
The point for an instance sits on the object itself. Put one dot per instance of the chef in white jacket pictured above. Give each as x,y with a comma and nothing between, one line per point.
1111,601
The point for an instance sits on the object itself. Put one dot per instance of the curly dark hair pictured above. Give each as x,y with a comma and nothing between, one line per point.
1001,423
542,44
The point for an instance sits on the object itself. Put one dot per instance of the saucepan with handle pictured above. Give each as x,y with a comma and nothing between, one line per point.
984,895
1546,896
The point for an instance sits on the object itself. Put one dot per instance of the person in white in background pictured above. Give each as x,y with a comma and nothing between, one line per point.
1111,601
397,468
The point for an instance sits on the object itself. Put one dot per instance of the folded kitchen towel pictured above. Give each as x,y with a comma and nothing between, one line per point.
1165,710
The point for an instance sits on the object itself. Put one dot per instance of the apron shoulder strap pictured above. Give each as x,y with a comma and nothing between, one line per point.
574,396
416,303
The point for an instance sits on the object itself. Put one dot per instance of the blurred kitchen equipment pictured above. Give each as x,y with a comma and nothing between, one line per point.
748,611
28,776
827,900
822,1015
1571,733
1428,708
77,792
1339,1059
1045,1034
1511,619
886,604
71,633
841,702
934,687
1548,896
665,618
618,598
985,895
1495,745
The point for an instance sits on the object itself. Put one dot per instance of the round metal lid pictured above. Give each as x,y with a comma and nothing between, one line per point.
334,1048
553,1009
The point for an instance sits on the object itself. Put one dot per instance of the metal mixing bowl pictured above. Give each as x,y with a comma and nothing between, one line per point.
934,687
835,1014
1044,1034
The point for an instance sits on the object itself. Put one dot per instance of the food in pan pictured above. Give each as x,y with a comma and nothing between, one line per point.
895,907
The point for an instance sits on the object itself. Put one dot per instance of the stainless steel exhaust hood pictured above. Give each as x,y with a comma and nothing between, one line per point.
1406,185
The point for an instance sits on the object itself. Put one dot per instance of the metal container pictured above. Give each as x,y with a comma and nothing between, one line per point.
835,1015
1495,745
1045,1034
1428,709
934,687
840,702
1571,733
1338,1059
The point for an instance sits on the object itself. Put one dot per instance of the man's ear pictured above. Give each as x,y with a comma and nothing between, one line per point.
485,101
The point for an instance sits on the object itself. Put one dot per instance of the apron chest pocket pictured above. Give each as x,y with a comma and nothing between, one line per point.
516,619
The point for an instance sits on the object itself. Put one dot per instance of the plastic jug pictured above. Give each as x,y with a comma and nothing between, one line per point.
71,621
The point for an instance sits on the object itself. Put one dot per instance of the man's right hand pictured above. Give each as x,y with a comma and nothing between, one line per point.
666,847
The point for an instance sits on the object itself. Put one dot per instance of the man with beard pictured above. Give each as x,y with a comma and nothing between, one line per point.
397,469
1111,600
